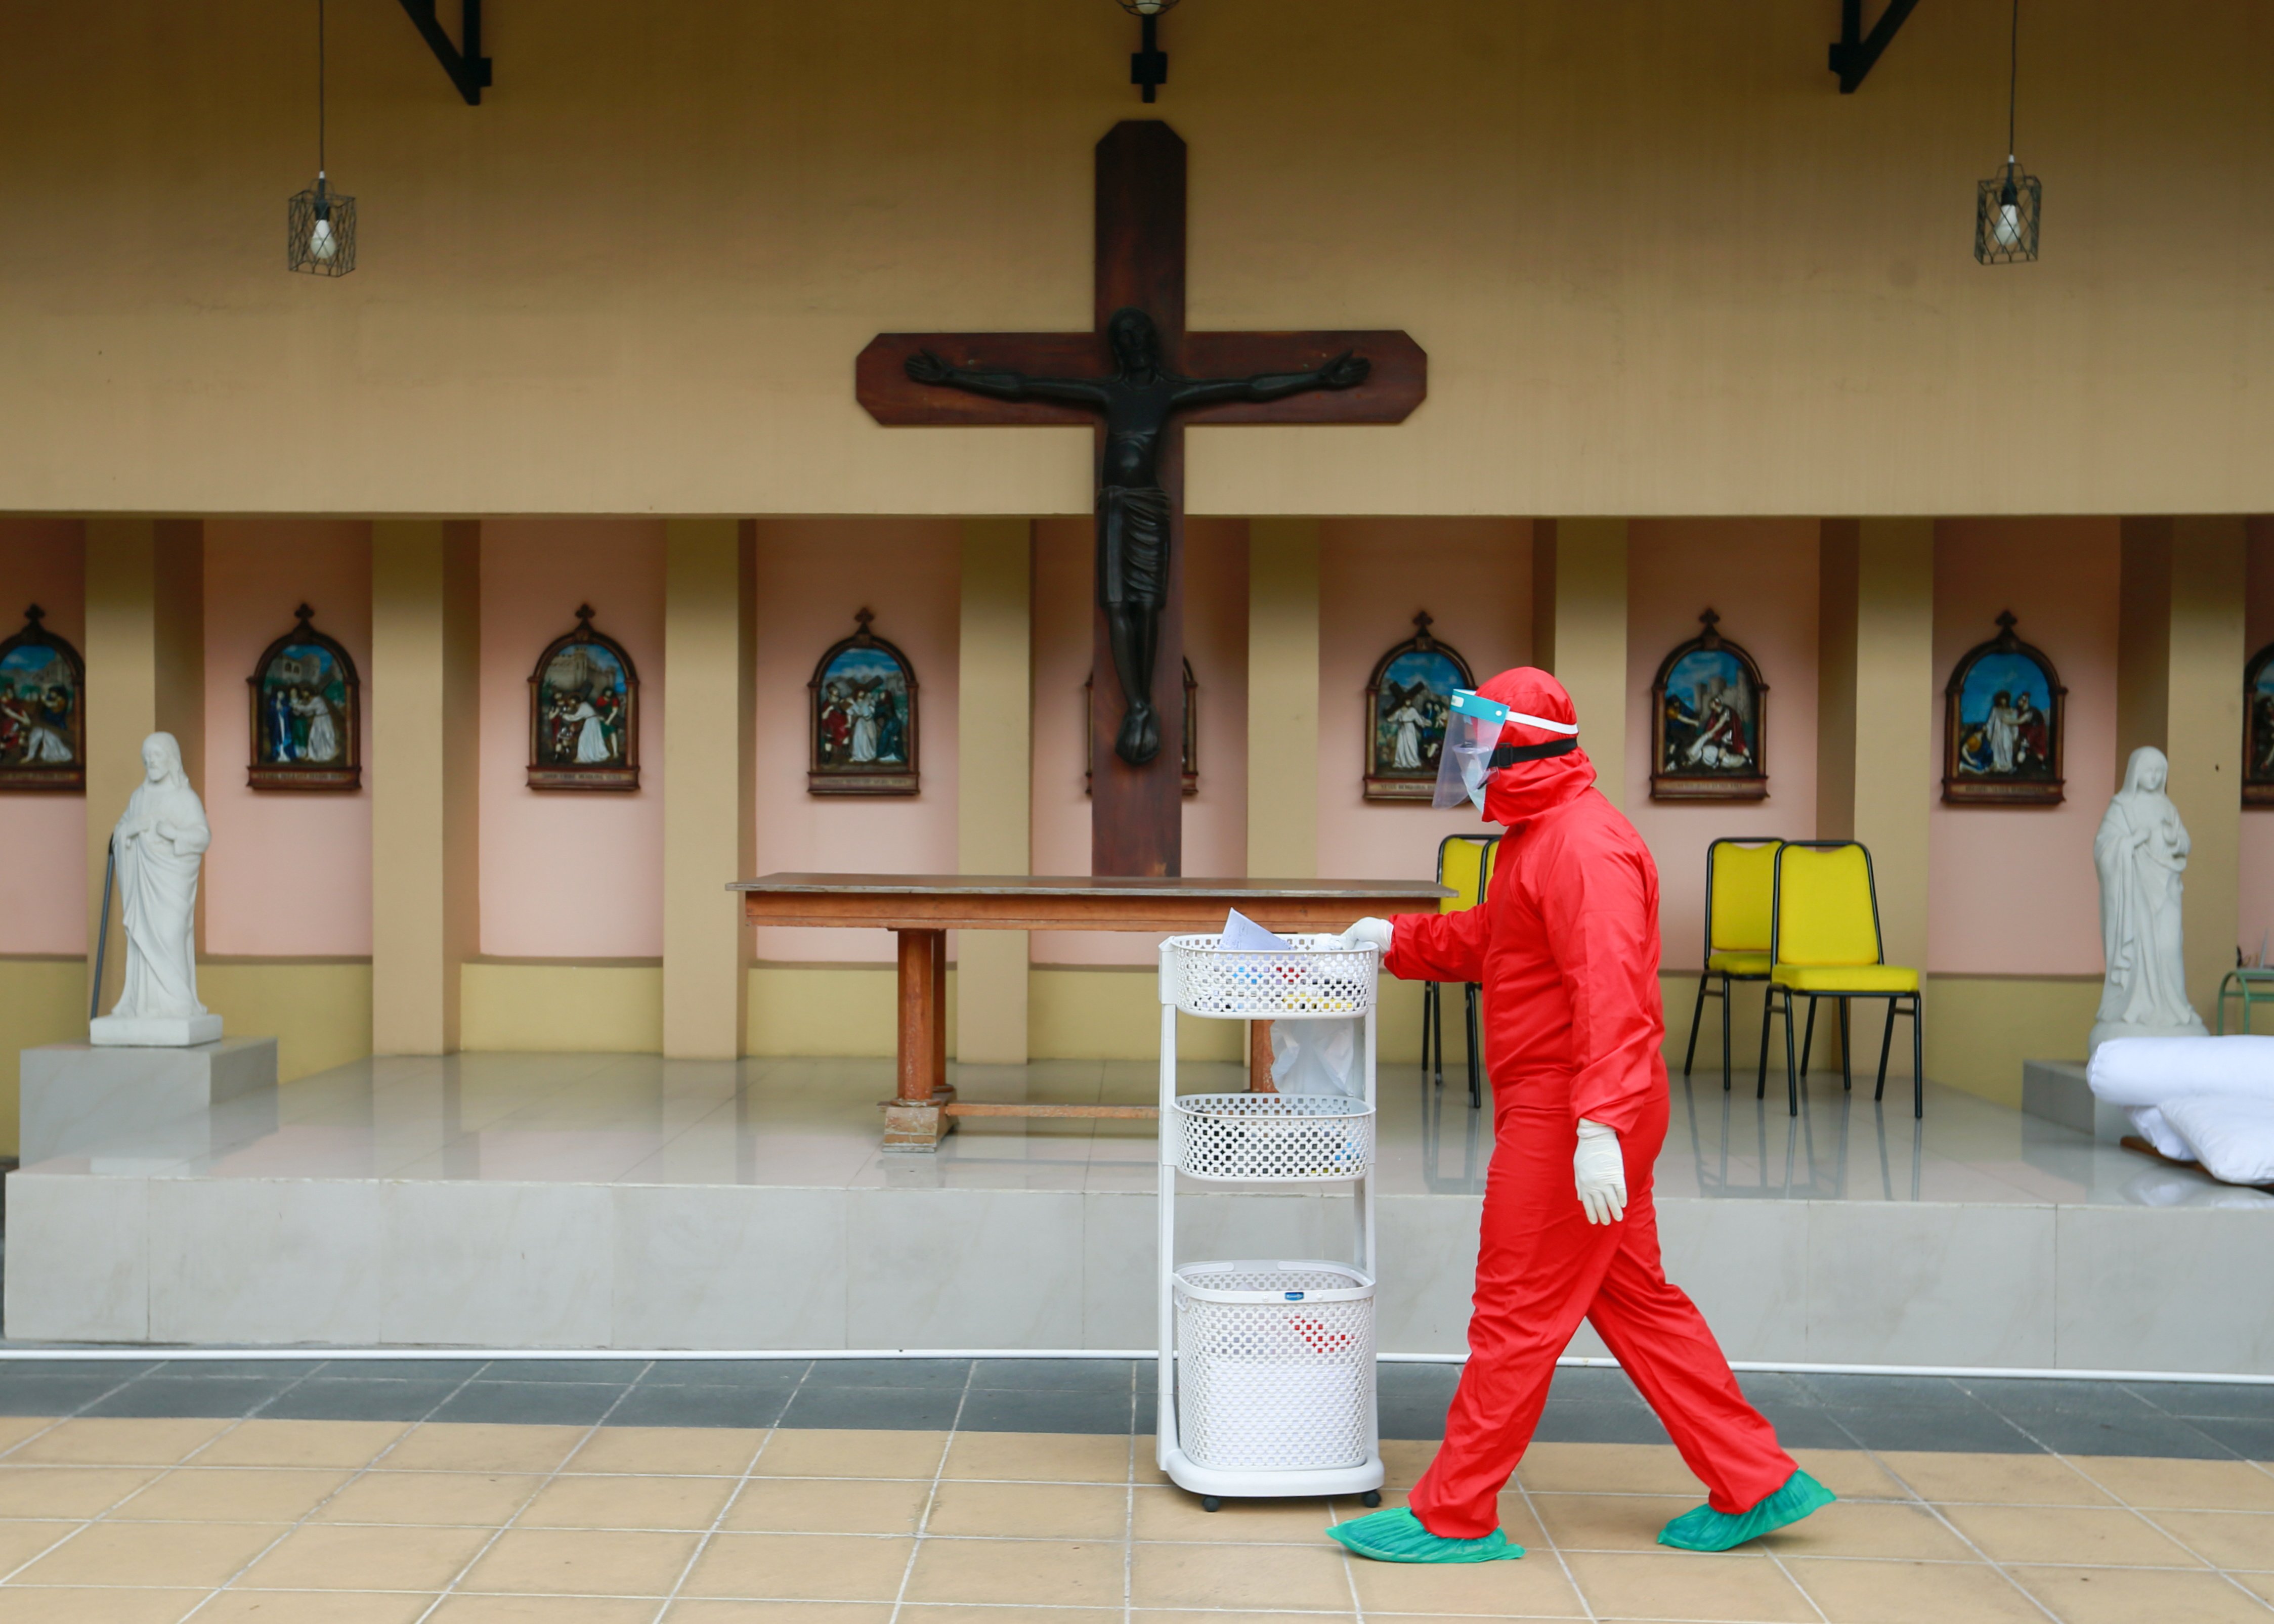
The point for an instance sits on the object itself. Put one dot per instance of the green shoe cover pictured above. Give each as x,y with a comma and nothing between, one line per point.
1398,1536
1704,1529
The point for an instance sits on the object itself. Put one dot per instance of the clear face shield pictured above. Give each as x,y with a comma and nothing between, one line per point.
1471,729
1472,752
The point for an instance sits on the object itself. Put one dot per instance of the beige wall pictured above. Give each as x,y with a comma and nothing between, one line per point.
318,1009
43,1000
2180,651
1283,698
425,749
1876,779
709,811
1579,607
1660,265
144,652
994,800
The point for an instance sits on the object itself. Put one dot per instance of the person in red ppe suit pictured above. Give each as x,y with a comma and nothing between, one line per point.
1566,945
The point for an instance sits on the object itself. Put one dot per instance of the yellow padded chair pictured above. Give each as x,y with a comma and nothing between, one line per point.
1740,894
1464,866
1824,943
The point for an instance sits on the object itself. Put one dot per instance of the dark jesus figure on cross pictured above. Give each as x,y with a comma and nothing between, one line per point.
1135,513
1137,378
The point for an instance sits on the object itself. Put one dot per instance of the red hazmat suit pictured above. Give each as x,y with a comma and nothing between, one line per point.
1566,946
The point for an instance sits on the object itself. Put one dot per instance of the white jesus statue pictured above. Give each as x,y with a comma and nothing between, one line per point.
2142,853
158,843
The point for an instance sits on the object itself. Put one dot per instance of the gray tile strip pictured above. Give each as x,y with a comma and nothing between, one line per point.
2189,1420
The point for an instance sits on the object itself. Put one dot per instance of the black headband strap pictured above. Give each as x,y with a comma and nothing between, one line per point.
1509,754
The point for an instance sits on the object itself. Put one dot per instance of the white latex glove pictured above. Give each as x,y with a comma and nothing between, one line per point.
1375,932
1599,1173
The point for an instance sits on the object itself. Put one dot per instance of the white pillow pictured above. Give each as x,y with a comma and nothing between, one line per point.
2232,1136
2149,1070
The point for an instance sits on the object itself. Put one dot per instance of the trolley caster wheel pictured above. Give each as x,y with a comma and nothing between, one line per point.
1370,1499
1209,1503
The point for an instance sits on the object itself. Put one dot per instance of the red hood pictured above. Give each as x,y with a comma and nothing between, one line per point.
1517,794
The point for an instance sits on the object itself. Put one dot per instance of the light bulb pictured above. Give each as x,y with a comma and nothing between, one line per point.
2008,231
321,244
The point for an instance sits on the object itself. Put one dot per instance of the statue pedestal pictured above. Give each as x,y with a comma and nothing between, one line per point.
153,1031
78,1099
2102,1031
2058,1091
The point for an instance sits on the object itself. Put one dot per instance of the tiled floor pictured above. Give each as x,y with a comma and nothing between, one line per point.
138,1518
639,1119
136,1508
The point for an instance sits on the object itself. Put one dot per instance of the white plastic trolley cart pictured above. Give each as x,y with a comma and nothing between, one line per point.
1266,1366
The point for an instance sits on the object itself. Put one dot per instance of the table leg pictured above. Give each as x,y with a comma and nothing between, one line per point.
916,1119
939,1057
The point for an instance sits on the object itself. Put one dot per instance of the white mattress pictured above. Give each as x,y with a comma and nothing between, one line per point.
2203,1100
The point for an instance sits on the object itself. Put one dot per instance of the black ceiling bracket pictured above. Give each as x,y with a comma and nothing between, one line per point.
468,68
1854,52
1149,65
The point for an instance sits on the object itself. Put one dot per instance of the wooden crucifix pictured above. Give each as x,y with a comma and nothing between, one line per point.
1139,377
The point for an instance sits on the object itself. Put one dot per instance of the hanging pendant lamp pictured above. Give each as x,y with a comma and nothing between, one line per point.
2006,205
319,224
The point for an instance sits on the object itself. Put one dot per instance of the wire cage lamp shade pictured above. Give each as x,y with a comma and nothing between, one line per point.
2006,216
320,231
319,224
2006,205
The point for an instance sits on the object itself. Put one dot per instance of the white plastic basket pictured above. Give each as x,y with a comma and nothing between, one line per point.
1273,1138
1200,976
1275,1365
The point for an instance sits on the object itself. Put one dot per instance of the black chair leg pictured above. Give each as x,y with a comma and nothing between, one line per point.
1768,1005
1729,989
1808,1040
1886,1042
1476,1045
1697,1014
1846,1071
1791,1074
1433,1020
1918,1059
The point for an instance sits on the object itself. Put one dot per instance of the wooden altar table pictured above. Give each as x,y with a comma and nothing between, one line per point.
922,908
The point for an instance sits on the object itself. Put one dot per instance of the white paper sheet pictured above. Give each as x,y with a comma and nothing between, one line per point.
1243,935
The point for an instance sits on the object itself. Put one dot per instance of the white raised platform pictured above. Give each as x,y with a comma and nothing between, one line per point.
546,1200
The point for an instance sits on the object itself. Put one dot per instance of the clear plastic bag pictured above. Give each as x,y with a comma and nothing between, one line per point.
1315,1057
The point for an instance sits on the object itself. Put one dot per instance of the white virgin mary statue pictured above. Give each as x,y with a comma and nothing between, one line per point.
2142,852
158,842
